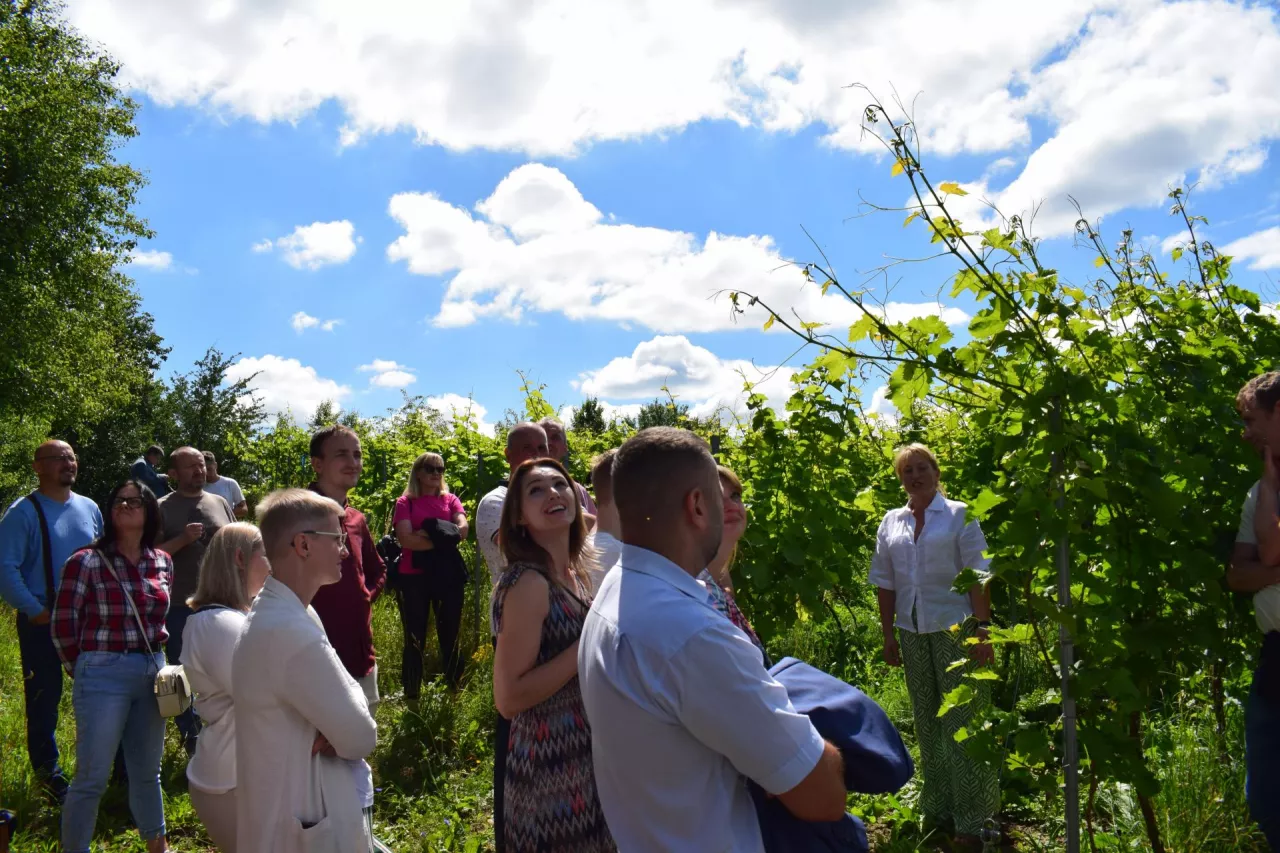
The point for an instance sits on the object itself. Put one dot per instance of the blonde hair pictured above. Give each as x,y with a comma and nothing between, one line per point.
221,579
906,451
285,513
413,489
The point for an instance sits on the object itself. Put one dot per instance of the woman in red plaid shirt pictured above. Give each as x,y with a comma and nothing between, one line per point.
114,656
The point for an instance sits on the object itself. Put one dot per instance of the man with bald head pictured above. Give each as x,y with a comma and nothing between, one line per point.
189,516
37,535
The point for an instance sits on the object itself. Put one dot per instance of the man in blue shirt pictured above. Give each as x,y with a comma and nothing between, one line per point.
28,583
146,470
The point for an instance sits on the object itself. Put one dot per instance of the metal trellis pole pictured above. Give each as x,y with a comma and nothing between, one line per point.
1066,656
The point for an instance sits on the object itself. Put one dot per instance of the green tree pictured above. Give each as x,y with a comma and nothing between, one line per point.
210,413
663,413
589,417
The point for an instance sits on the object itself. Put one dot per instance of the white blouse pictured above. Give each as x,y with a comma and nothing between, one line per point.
207,644
921,571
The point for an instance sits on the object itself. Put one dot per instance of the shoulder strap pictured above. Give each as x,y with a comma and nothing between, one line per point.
47,550
106,561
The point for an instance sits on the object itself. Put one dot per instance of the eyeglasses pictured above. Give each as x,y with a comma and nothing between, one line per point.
342,537
432,469
129,503
63,457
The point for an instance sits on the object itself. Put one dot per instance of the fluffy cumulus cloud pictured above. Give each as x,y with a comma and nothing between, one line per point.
694,375
286,385
541,247
388,374
457,406
150,259
1133,93
301,321
313,246
1260,250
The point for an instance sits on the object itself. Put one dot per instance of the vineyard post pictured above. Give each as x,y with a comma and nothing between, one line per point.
475,559
1070,749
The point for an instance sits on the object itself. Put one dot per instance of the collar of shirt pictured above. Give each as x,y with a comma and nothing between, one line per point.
938,504
275,589
315,487
637,559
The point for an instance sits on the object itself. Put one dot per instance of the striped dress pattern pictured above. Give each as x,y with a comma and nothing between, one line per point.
550,802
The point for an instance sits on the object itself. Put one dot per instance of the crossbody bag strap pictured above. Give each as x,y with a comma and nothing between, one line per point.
127,597
47,550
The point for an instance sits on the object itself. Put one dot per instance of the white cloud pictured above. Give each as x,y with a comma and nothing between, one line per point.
316,245
455,405
694,375
388,374
287,385
1261,249
302,321
881,405
549,250
151,259
1135,94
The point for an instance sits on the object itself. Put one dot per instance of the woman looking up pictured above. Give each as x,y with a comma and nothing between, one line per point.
716,577
920,549
539,605
232,573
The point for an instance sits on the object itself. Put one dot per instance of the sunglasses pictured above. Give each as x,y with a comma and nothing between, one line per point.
129,503
432,469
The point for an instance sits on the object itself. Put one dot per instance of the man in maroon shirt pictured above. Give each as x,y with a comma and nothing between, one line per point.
346,607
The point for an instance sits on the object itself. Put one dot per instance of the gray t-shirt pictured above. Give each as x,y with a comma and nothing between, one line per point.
176,512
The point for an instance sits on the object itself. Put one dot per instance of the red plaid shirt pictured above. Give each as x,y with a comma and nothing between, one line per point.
92,615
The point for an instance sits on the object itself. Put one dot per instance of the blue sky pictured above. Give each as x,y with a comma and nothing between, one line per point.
429,199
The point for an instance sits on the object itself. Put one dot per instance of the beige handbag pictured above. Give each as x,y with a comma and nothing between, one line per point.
173,691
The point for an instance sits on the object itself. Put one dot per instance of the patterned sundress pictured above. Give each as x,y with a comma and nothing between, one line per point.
721,599
550,802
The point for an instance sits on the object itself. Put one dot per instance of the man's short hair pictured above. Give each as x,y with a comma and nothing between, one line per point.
654,469
154,450
555,422
209,457
522,427
1262,392
319,437
285,513
602,475
180,452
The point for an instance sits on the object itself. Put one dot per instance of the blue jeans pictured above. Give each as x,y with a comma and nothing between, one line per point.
42,691
114,700
188,723
1262,762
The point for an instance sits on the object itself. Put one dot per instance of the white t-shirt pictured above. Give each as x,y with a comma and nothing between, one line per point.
488,520
227,489
1266,602
609,551
208,641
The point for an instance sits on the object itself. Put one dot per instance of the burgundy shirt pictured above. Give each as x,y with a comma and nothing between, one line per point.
346,607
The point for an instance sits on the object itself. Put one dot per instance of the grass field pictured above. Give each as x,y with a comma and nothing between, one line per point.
433,767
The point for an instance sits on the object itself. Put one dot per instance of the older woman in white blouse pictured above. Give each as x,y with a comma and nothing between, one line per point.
920,549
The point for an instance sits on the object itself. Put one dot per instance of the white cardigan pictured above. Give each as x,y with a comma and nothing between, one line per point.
208,642
288,684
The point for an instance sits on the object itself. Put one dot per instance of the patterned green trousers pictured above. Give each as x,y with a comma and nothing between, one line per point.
957,789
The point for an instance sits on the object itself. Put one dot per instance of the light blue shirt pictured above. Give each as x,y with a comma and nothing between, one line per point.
72,526
681,709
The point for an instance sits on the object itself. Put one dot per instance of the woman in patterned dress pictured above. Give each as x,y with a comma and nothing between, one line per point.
540,602
716,577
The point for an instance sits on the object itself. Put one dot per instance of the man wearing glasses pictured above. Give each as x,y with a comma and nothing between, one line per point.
29,577
189,516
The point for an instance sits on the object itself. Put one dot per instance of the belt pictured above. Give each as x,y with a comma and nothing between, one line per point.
137,651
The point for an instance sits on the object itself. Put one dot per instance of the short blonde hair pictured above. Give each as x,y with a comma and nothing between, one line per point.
221,579
906,451
285,513
413,490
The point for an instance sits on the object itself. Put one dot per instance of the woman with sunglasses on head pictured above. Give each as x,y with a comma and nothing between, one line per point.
232,572
109,627
429,523
539,605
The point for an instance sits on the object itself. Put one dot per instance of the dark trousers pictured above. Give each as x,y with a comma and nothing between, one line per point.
501,740
42,691
420,595
188,723
1262,742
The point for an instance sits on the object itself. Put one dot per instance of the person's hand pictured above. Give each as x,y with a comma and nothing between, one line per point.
41,618
982,652
892,655
193,532
321,746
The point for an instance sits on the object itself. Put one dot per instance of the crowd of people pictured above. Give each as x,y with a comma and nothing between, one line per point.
637,708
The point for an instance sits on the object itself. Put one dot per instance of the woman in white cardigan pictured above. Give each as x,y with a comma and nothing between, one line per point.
232,572
297,709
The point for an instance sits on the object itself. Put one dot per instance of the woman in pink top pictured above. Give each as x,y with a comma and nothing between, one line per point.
429,523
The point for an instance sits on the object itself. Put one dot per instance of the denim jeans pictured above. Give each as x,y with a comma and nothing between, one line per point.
114,700
188,723
42,691
1262,763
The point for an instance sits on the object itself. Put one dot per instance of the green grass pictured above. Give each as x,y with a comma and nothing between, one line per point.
433,766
